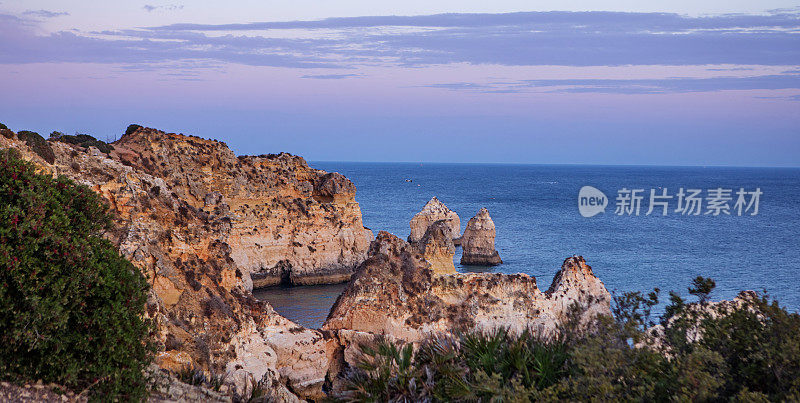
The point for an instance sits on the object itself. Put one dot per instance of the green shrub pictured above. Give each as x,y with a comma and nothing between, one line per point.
191,375
38,144
71,308
3,127
132,129
757,341
474,366
705,352
83,140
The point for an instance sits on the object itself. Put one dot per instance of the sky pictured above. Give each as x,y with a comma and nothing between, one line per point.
555,82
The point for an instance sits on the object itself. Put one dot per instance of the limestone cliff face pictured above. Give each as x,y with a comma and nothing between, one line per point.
433,211
288,222
395,292
478,241
197,220
437,247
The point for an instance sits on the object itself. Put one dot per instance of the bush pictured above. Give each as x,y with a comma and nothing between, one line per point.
71,308
3,127
747,350
132,129
83,140
473,366
38,144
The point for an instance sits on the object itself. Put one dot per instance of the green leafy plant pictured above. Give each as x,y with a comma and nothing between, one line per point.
191,375
38,144
258,393
474,366
215,381
71,308
83,140
132,128
701,288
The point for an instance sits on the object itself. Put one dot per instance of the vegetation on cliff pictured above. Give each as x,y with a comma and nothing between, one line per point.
71,308
38,144
82,140
742,350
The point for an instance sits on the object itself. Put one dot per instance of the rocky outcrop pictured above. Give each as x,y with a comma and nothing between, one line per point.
164,387
433,211
287,222
477,242
437,247
197,221
203,225
395,293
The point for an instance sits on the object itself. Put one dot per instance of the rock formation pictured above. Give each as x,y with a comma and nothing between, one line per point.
202,225
433,211
395,293
288,222
197,221
437,247
477,243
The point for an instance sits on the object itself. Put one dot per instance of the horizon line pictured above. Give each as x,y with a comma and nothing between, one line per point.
562,164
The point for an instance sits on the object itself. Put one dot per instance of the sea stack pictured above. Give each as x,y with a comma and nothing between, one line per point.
478,241
433,211
437,247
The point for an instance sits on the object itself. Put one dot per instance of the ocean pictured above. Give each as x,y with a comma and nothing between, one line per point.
535,211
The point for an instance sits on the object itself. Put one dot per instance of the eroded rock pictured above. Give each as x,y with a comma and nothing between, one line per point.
283,215
477,242
437,247
396,293
433,211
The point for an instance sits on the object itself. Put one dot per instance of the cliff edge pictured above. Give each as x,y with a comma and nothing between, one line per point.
198,222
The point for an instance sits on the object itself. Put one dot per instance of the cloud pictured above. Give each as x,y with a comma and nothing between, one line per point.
633,86
588,21
731,69
540,38
458,86
169,7
512,39
783,98
331,76
23,45
45,13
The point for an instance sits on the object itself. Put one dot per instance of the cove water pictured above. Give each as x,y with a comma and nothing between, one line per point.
535,211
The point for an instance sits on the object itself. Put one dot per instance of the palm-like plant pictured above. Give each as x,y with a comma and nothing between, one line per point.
386,373
485,366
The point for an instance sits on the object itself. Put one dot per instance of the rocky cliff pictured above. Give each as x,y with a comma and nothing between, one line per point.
395,293
477,242
198,221
288,222
437,247
203,225
433,211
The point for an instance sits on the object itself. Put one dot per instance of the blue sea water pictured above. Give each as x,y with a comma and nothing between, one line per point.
535,210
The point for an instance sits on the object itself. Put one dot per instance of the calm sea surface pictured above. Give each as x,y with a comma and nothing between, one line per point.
535,210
